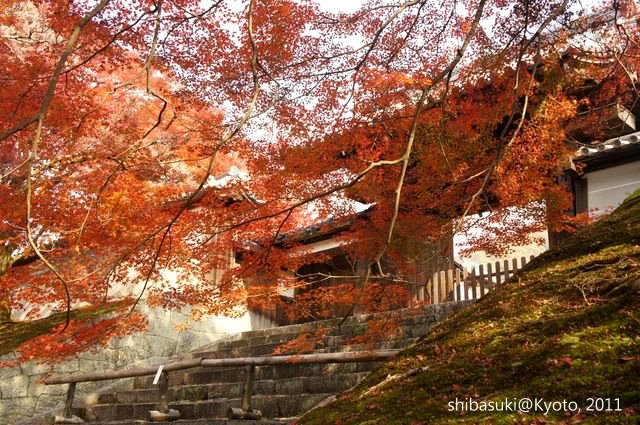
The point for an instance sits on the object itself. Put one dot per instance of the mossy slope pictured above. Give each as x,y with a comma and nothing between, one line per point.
13,334
566,328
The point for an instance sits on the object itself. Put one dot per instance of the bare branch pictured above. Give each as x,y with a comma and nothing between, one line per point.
503,148
30,237
414,125
53,82
225,139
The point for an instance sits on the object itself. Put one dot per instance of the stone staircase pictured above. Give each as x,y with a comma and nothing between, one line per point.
281,392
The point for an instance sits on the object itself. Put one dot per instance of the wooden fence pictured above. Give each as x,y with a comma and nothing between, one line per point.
458,284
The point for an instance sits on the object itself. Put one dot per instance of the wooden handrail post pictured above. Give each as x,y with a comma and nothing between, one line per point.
68,405
163,387
67,415
246,411
163,413
247,390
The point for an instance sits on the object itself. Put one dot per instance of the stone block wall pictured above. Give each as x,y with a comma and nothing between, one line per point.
25,400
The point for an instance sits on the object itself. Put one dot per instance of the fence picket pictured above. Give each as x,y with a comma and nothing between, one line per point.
481,281
442,280
436,287
458,284
465,278
506,270
427,294
490,276
474,283
436,278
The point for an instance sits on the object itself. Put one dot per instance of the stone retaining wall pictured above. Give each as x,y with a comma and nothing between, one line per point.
25,401
23,398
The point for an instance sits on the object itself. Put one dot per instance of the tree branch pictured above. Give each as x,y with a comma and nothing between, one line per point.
53,82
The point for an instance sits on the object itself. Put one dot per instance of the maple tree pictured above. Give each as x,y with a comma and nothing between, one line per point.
117,115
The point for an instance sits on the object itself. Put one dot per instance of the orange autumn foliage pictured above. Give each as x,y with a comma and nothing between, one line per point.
120,122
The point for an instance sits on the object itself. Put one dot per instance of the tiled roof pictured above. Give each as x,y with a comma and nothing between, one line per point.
615,144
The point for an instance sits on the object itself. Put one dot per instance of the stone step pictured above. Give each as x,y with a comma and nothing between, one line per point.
245,348
329,344
271,406
146,395
290,386
351,327
336,336
263,345
205,393
280,391
246,351
212,421
295,385
201,376
380,345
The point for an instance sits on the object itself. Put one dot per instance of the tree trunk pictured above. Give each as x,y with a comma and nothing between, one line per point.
5,262
5,312
8,259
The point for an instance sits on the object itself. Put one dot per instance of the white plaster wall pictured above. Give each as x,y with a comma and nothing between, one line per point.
609,187
480,257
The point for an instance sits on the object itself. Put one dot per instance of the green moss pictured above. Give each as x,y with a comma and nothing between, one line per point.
192,393
567,329
13,334
634,196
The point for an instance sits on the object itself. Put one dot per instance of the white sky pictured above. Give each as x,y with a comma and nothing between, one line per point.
340,5
326,5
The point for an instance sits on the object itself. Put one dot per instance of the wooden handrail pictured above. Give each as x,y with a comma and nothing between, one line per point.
245,412
342,357
318,358
119,374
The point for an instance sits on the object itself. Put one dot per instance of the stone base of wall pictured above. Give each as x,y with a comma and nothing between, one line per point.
25,400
